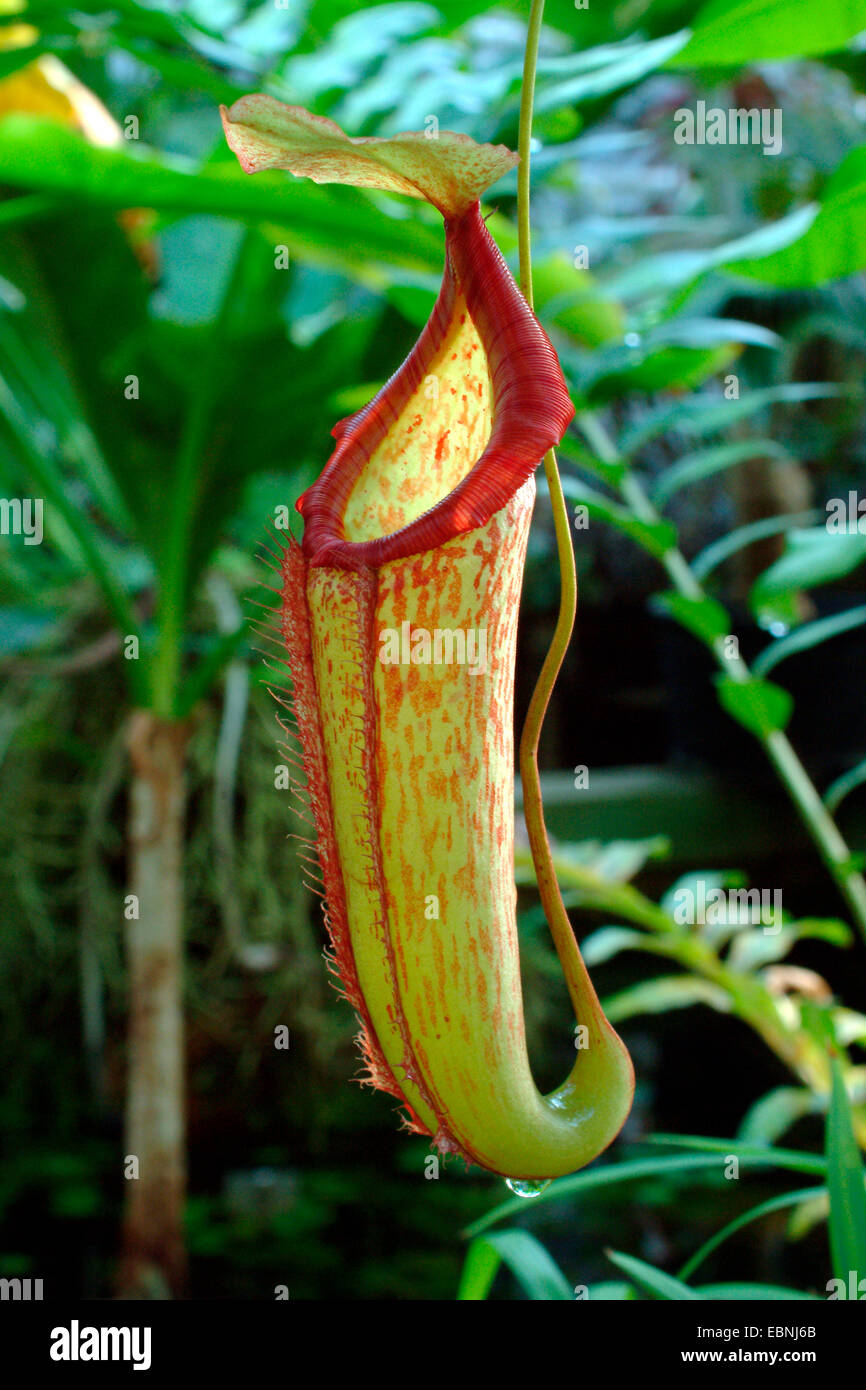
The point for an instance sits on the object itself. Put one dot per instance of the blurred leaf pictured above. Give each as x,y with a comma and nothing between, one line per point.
845,1182
742,536
744,1293
726,34
598,71
807,1216
811,557
832,247
794,1159
760,706
704,617
611,1291
23,630
532,1266
843,786
479,1270
664,993
655,537
754,948
13,59
699,416
610,473
706,463
849,1026
607,942
198,684
769,1117
808,636
619,860
570,299
617,369
612,863
39,155
674,270
652,1280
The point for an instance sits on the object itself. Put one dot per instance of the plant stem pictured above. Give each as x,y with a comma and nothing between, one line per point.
153,1260
533,809
188,480
818,821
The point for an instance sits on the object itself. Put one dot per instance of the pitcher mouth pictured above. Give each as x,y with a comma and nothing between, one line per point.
522,410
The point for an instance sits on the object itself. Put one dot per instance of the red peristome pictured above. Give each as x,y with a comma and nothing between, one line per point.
532,410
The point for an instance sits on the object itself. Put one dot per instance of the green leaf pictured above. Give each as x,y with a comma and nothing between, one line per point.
13,59
479,1271
746,1293
653,1281
607,942
620,369
699,416
849,1026
656,537
794,1159
843,786
703,617
664,993
606,68
769,1118
753,949
742,536
198,684
569,298
94,551
726,34
832,247
845,1181
760,706
610,473
532,1266
41,156
610,1291
706,463
673,270
808,636
813,556
807,1216
710,1161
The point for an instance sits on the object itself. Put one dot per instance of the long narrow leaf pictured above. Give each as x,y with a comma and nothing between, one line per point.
653,1281
706,463
808,636
699,416
787,1199
715,554
844,785
669,1165
845,1181
747,1293
532,1266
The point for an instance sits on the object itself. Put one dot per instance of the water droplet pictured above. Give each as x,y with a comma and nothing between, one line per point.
526,1189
